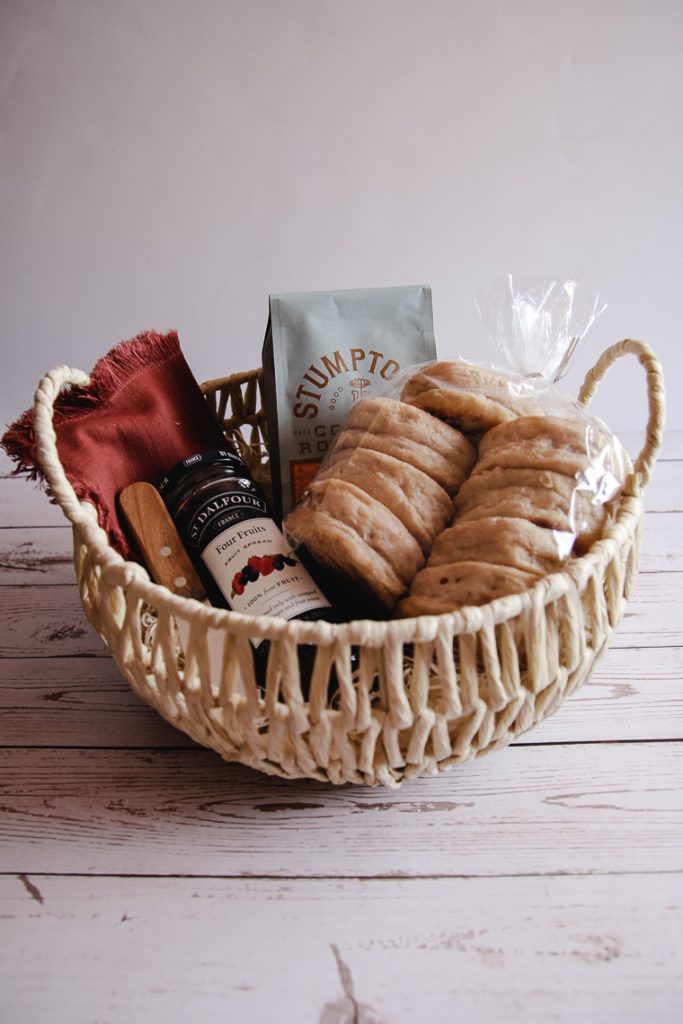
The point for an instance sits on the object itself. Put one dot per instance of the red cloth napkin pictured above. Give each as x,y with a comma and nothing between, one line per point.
141,413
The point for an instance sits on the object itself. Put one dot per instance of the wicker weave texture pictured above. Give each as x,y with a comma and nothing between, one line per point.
421,694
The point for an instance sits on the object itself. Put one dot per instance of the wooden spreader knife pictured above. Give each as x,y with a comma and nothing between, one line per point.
168,562
158,542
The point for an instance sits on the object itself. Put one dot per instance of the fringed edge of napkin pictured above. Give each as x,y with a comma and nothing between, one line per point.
110,373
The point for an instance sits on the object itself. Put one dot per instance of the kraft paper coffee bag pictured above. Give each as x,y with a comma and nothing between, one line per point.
322,352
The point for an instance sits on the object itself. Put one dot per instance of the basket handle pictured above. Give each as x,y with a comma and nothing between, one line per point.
654,431
46,439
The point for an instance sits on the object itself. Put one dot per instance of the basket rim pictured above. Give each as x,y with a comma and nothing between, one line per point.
373,632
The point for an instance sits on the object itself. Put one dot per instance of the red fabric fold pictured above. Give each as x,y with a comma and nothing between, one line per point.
141,413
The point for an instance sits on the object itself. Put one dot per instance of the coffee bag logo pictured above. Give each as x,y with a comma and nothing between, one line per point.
359,386
325,374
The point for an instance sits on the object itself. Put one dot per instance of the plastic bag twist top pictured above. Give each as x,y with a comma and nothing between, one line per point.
536,323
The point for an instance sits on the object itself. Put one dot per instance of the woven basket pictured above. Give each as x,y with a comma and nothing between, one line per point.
424,693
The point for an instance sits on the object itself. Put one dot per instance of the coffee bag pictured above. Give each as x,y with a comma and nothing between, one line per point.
323,351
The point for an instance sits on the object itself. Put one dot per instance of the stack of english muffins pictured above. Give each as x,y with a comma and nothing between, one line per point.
376,506
460,492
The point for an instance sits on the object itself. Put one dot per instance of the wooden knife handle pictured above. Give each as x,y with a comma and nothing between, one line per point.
157,539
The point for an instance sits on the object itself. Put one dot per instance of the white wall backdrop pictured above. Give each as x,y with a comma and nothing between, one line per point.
168,163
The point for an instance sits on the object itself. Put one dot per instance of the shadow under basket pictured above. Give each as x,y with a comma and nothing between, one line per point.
411,697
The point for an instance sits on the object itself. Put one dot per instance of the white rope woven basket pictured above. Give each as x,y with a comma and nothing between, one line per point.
423,694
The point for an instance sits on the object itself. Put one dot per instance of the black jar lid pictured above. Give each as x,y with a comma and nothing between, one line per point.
183,470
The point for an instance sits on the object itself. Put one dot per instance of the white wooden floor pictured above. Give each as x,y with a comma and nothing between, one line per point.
142,879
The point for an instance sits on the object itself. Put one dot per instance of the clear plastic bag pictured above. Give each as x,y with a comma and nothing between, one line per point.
489,475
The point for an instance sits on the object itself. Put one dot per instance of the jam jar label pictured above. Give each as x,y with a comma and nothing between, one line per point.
258,573
222,511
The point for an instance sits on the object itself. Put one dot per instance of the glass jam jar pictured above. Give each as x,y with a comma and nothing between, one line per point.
240,554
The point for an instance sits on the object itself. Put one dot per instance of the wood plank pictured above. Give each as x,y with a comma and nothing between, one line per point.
662,542
42,555
522,950
609,808
35,556
84,702
653,614
665,491
77,702
23,503
672,447
49,621
630,696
